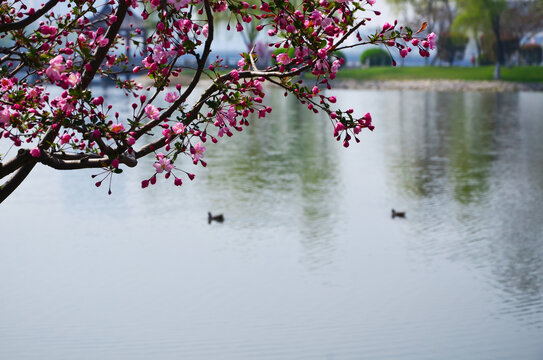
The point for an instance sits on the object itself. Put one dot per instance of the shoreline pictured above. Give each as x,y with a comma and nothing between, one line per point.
437,85
422,84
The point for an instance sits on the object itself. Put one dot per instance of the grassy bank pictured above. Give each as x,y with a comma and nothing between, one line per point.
516,74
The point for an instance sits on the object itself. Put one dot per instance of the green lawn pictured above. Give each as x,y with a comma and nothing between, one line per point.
519,74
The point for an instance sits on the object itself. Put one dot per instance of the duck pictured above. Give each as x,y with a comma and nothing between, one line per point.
398,214
217,218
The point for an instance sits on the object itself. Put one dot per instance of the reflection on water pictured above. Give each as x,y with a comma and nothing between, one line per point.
308,263
472,165
280,171
454,138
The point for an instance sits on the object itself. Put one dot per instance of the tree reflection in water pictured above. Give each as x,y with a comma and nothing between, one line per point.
471,164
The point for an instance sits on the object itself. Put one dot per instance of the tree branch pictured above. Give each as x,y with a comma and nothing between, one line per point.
195,80
13,183
159,143
30,19
24,163
101,52
15,163
62,161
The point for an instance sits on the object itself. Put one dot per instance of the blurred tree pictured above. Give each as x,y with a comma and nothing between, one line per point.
375,57
501,23
450,45
439,14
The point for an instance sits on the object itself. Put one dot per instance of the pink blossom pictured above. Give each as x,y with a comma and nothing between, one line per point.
56,67
334,68
322,53
152,112
117,128
110,60
257,85
178,182
171,97
147,62
64,103
415,42
6,84
5,117
161,55
205,30
48,30
34,92
36,152
283,59
178,128
64,139
265,7
231,115
74,78
235,75
371,2
431,41
366,121
162,164
197,151
320,67
101,41
301,52
178,4
98,100
338,128
316,17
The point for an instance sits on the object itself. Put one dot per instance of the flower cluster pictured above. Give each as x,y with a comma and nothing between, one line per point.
76,128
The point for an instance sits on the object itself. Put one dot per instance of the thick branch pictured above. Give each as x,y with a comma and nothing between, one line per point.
101,52
24,162
7,168
29,20
73,164
62,161
9,186
195,80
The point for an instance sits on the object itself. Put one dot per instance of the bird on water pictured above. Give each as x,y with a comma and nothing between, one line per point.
217,218
398,214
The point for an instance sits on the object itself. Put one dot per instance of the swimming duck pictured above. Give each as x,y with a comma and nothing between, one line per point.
217,218
398,214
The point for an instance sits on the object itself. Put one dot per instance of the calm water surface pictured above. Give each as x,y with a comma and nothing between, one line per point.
309,263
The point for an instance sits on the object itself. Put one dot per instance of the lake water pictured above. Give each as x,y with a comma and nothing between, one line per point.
309,263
